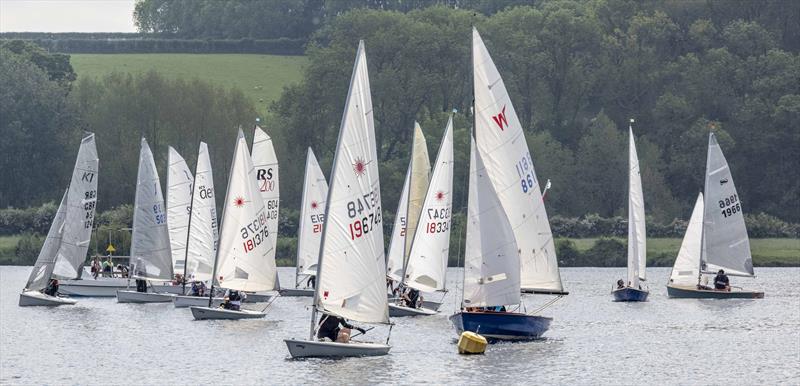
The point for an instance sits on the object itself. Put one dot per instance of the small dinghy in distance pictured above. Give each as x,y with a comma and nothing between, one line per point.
204,313
637,234
715,239
351,269
64,250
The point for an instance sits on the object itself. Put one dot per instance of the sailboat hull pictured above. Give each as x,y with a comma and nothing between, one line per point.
502,326
694,293
143,297
36,298
183,301
307,348
296,292
258,298
429,304
628,294
396,310
208,313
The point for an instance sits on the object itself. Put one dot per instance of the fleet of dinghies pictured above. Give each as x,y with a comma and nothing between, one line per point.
180,253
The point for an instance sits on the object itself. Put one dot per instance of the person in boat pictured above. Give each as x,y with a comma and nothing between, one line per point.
411,298
721,281
233,300
178,279
620,284
107,267
95,267
123,269
52,288
311,282
329,328
141,285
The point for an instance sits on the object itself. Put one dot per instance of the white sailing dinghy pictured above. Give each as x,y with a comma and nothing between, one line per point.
245,260
179,202
202,235
426,267
716,237
351,269
312,219
151,258
64,250
637,235
265,162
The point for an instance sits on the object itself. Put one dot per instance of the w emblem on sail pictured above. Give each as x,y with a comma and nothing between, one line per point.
240,274
500,119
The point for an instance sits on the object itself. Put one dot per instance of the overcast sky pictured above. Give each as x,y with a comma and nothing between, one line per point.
66,16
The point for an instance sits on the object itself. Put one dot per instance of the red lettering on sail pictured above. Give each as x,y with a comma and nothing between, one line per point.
500,119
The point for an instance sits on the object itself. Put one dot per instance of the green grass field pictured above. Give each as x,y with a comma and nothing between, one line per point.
260,77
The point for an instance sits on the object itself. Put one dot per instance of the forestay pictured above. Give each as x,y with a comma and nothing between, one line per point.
245,259
351,274
637,234
43,268
266,174
725,242
78,221
501,143
312,216
491,261
686,271
179,201
427,259
150,249
395,260
203,230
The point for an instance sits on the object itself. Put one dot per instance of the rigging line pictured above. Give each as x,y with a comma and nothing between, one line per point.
270,303
546,305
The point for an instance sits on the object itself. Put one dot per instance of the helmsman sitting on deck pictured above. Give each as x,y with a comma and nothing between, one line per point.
233,300
52,288
329,329
721,282
411,298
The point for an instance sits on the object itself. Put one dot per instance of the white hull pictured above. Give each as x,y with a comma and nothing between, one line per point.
36,298
296,292
168,288
305,348
104,287
182,301
429,304
258,298
204,313
398,311
124,296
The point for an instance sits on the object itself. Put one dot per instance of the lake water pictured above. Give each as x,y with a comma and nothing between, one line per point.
592,340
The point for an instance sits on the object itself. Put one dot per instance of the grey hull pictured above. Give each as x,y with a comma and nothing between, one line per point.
429,304
258,298
306,348
694,293
124,296
183,301
206,313
296,292
400,311
36,298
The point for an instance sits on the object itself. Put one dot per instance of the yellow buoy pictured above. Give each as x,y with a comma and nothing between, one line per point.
471,343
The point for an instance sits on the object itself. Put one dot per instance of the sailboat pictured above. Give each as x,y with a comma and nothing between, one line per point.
266,165
312,219
202,235
245,259
64,249
179,202
637,235
504,159
151,258
716,237
351,268
426,266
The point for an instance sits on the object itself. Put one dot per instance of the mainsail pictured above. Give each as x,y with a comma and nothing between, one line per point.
43,268
312,216
686,271
266,175
79,218
203,231
637,235
501,143
351,274
150,249
725,242
245,258
427,260
491,261
395,260
179,201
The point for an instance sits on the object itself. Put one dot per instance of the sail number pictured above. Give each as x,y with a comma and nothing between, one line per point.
158,214
366,212
439,220
255,232
730,205
525,172
272,209
316,222
89,206
365,224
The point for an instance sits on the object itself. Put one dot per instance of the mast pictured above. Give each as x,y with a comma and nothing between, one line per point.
703,227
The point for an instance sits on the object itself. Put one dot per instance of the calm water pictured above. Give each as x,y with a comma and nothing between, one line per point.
592,341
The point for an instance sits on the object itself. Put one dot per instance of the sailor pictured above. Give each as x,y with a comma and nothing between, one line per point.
311,282
721,282
141,285
52,288
620,284
411,298
233,300
195,290
329,329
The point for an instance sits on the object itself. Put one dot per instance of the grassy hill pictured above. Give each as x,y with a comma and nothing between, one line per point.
260,77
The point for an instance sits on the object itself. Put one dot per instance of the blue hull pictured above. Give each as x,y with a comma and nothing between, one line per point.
628,294
501,325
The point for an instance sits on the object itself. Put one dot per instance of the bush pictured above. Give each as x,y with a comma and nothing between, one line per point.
28,248
136,44
605,252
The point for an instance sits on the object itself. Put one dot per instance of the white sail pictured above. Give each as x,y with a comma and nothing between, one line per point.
491,260
150,249
312,216
245,258
417,186
395,260
686,271
637,235
427,260
203,229
179,201
725,242
43,268
81,203
502,145
266,165
351,275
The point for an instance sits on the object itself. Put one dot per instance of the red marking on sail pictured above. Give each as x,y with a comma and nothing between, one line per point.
314,205
238,202
500,119
439,196
325,294
359,167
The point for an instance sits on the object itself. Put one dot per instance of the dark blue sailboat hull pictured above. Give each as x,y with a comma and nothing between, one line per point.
628,294
501,325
